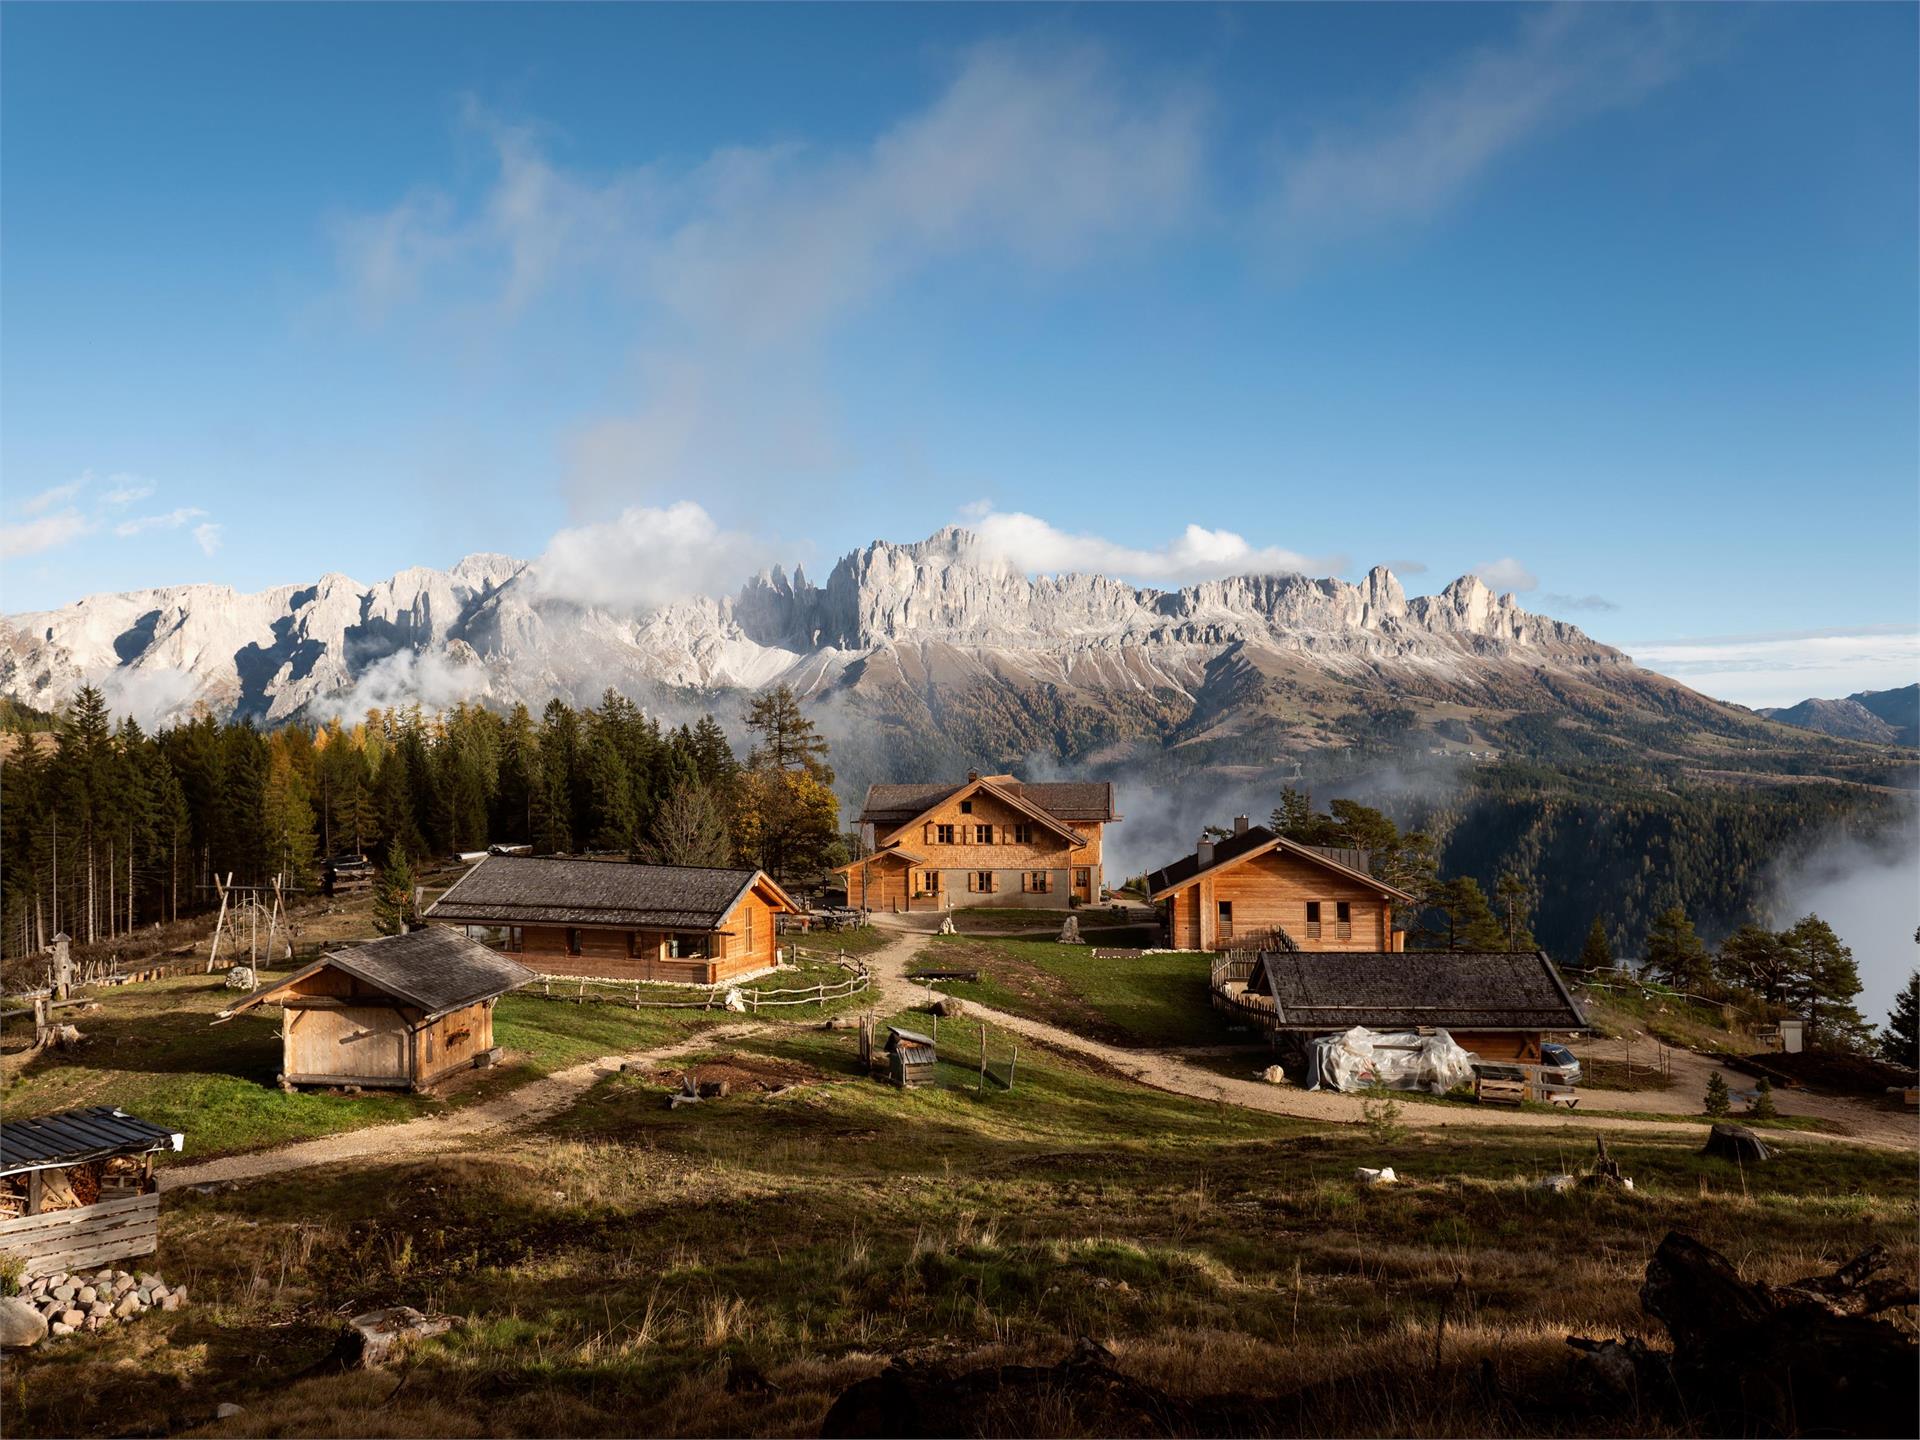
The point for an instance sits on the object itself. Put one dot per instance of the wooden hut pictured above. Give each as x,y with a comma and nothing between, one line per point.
605,920
77,1188
910,1057
401,1012
1499,1006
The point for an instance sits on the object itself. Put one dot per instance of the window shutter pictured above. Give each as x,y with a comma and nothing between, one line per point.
993,880
973,881
929,832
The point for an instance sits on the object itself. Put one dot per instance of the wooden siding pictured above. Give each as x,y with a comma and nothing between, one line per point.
744,943
955,863
451,1042
1507,1047
1274,889
350,1044
90,1235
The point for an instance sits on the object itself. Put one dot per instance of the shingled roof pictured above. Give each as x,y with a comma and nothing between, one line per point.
524,890
436,969
72,1137
888,806
1252,841
1335,990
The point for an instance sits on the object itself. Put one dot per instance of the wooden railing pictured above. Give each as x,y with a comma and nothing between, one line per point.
83,1237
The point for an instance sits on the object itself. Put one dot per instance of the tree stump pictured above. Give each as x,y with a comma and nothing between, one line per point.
1738,1143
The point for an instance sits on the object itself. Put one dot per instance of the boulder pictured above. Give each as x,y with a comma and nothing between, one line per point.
1383,1176
20,1324
241,977
1070,931
87,1294
226,1410
947,1007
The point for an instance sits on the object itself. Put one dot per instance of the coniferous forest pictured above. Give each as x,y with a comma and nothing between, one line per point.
105,829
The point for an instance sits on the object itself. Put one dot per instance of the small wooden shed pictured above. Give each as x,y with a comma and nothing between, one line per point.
77,1188
910,1057
401,1012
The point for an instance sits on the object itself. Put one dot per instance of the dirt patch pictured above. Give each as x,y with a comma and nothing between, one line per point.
1602,1074
741,1072
1838,1074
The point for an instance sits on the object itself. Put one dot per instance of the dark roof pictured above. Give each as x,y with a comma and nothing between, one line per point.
1335,990
1068,800
1253,838
437,969
74,1136
907,1039
524,890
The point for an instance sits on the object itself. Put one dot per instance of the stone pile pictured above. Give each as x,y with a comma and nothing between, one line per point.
99,1299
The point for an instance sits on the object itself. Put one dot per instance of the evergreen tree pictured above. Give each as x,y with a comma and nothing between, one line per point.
1719,1102
393,909
784,738
1825,982
1470,922
1516,905
611,820
1293,817
1596,954
289,824
1900,1040
1675,955
1757,960
1763,1106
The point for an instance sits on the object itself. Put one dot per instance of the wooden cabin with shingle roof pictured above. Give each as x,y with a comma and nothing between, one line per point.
604,920
988,840
1255,880
400,1012
1499,1006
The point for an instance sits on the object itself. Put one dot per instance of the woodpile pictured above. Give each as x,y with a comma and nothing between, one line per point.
1810,1356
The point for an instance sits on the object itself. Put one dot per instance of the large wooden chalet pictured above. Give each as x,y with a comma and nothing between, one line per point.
988,840
1255,880
595,919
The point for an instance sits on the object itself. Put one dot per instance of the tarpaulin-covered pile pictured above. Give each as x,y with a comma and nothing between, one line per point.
1397,1060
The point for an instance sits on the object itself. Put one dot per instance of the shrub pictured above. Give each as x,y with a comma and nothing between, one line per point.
1380,1113
1763,1106
1719,1103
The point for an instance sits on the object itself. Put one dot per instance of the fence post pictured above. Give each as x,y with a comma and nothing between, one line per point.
982,1086
1012,1065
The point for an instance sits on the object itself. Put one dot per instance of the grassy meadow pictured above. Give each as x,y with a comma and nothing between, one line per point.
729,1267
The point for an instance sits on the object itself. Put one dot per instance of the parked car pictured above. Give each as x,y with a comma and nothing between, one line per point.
1559,1066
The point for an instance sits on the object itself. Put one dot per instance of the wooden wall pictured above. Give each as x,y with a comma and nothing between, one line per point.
451,1042
85,1237
350,1045
1506,1048
1273,890
1000,854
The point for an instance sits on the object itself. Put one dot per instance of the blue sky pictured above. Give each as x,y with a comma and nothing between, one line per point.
1617,305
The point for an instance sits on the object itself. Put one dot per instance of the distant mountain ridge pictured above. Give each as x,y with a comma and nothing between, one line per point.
1885,717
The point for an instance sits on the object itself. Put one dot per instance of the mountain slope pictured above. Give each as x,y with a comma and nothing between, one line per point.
1884,717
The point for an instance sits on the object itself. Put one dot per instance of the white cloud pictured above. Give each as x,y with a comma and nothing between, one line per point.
1553,602
126,490
1786,667
1196,553
207,537
153,696
47,532
171,520
407,677
1565,63
737,268
645,557
54,495
1507,574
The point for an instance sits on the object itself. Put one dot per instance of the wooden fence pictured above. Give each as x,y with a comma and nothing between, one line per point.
90,1235
629,993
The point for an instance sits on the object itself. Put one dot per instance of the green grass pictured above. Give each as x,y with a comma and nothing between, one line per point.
1151,1000
628,1268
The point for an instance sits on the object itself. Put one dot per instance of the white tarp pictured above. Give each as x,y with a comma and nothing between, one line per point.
1397,1060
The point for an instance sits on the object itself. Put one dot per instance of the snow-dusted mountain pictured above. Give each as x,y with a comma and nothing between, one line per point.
941,608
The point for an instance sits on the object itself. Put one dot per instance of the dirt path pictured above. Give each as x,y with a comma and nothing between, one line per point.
1165,1070
432,1134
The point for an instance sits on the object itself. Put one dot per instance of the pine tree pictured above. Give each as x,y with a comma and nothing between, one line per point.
393,892
1471,925
1596,954
1900,1040
786,739
1719,1102
1293,816
612,823
1675,955
1758,961
1516,905
1763,1106
689,828
1825,981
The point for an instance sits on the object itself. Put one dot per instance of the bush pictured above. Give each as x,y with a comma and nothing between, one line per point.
1719,1103
1380,1113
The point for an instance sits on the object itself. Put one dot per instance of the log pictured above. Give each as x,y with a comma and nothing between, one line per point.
1801,1358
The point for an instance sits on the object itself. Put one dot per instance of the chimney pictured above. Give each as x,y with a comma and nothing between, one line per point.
1204,852
1239,824
972,775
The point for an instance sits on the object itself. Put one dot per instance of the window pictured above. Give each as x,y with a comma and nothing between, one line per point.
966,807
1343,919
573,942
1082,878
1023,834
980,881
926,882
983,834
1313,919
1225,927
943,834
516,939
1037,882
749,927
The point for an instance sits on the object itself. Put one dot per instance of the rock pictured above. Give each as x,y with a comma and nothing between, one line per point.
1070,931
1274,1075
148,1280
241,977
1382,1176
160,1292
73,1319
21,1325
60,1327
947,1007
143,1295
1555,1183
87,1294
66,1292
173,1300
123,1282
372,1338
128,1307
226,1410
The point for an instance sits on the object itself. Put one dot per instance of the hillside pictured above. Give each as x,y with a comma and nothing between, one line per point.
1884,717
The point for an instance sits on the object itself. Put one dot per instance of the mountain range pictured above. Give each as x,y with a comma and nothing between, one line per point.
904,631
1884,717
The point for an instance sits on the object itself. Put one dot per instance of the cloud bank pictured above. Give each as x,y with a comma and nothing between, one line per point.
646,557
1194,554
1786,667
